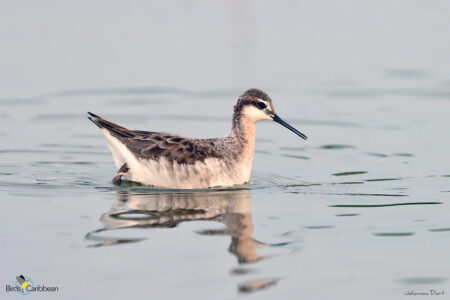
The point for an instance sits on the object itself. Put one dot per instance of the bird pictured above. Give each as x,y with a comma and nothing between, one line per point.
174,162
23,282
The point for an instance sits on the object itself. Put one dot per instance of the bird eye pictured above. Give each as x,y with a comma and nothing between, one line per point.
261,105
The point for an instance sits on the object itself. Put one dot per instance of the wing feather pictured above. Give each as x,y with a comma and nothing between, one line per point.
154,145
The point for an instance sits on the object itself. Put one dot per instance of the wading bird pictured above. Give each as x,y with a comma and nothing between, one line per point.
171,161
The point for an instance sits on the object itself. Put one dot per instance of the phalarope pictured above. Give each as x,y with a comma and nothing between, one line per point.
171,161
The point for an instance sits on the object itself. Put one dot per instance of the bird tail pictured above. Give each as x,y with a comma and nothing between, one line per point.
114,129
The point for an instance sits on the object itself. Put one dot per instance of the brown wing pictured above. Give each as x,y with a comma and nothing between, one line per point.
153,145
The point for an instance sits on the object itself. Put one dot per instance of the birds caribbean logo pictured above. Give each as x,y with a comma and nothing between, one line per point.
23,282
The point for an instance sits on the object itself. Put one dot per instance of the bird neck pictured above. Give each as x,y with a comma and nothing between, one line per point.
244,131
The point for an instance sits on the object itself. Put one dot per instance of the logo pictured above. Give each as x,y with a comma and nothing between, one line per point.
24,285
23,282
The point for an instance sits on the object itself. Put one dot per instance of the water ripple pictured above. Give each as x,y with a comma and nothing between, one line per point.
394,234
348,173
385,205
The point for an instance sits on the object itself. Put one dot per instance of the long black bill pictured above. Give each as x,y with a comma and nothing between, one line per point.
277,119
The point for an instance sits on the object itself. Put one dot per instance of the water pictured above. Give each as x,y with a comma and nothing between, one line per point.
360,210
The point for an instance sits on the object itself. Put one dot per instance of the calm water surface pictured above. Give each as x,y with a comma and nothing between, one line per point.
359,211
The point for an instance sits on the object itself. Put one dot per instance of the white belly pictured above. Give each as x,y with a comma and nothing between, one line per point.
212,172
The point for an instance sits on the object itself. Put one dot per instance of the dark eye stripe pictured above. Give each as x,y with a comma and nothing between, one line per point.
261,105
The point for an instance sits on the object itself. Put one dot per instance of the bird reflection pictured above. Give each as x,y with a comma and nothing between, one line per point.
137,209
165,209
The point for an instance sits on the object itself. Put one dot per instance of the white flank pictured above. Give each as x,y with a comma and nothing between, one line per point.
162,173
